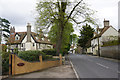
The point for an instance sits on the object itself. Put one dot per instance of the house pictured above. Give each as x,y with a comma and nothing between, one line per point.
102,35
73,48
28,40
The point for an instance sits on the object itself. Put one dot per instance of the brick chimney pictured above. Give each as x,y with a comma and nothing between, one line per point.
106,23
12,30
28,32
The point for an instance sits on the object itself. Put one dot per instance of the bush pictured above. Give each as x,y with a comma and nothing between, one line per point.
50,52
16,50
64,52
5,62
110,43
47,57
31,55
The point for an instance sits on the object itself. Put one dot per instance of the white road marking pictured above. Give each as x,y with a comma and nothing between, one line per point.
74,70
102,65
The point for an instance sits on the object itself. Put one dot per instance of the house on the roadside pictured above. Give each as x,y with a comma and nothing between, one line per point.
28,40
107,33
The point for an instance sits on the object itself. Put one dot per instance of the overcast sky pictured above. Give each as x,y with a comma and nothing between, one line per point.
21,12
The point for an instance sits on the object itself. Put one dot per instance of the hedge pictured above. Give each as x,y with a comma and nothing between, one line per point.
50,52
5,63
110,43
31,55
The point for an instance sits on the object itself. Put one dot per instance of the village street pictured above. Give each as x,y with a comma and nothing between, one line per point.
94,67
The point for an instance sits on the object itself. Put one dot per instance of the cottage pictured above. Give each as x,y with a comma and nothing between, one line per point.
104,34
28,40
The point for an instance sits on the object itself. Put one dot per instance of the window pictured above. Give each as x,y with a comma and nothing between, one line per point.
17,37
33,44
22,45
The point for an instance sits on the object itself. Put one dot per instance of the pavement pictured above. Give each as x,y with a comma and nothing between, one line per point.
63,71
94,67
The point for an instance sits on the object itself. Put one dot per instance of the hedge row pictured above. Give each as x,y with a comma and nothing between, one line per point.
110,43
33,55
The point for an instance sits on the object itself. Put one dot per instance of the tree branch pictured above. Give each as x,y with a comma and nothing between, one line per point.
78,22
73,11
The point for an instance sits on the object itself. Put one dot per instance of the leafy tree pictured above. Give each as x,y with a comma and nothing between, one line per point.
59,14
66,37
73,38
4,28
86,34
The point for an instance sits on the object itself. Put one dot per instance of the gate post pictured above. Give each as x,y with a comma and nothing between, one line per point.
40,58
10,64
60,56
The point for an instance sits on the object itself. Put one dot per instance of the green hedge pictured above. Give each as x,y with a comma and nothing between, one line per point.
50,52
53,52
5,63
110,43
31,55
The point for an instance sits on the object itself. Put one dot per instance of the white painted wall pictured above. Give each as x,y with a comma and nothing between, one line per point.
29,45
110,32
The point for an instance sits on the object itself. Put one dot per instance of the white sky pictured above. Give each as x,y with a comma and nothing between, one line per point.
20,12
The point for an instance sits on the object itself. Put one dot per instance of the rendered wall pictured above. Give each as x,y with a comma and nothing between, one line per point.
111,51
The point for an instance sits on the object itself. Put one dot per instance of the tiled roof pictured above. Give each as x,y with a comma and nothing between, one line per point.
102,30
11,39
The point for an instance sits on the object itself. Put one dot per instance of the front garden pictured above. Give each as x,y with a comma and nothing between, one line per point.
31,56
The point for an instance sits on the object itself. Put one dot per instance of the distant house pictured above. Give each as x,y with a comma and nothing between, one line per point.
104,34
28,40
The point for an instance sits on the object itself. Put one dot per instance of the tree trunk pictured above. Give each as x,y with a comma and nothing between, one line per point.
61,26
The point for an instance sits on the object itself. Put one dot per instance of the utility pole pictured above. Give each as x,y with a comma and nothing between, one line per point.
98,42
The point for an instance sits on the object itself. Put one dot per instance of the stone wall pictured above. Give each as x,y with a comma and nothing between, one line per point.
111,51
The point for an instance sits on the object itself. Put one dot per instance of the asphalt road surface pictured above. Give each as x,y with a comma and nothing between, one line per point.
94,67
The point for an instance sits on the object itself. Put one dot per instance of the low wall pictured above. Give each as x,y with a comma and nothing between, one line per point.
111,51
20,66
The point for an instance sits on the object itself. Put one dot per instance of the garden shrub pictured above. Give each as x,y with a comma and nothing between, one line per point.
5,63
64,52
47,57
50,52
31,55
110,43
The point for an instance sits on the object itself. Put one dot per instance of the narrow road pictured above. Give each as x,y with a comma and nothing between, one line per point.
94,67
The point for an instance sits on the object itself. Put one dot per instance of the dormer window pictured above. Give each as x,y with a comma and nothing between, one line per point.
17,37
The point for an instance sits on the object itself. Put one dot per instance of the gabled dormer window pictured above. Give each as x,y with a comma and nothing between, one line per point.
17,37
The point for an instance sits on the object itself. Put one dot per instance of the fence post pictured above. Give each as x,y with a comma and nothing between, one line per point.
13,64
10,65
60,56
40,58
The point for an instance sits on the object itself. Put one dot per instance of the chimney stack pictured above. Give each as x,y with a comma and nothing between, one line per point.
12,30
106,23
28,32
